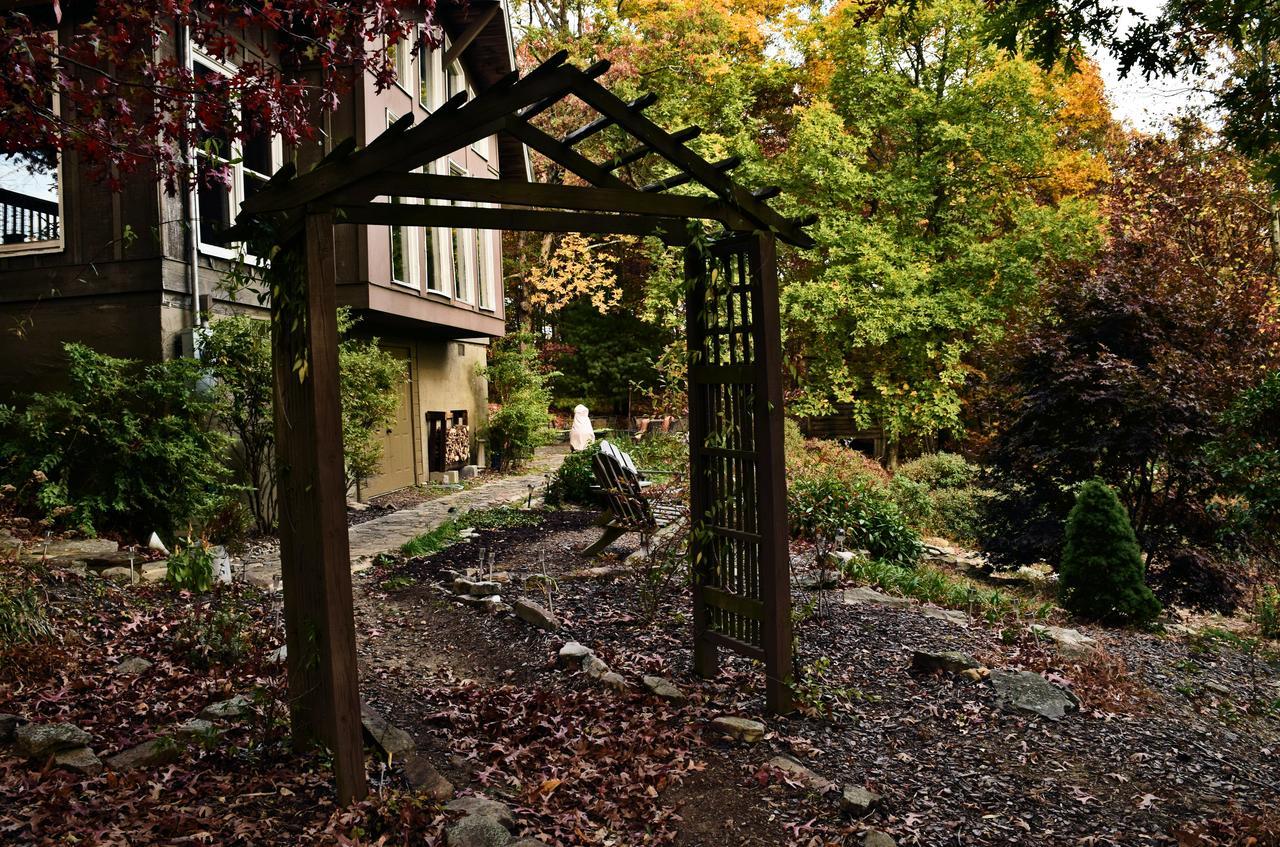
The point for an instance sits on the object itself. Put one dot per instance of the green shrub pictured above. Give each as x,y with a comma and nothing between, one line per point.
1247,456
864,513
959,513
1101,574
661,451
190,566
1268,612
518,384
914,499
125,447
572,481
940,470
369,383
818,458
432,541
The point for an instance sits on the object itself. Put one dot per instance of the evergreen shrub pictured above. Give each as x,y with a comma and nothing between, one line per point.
1101,574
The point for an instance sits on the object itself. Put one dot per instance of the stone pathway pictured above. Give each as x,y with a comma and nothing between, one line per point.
388,532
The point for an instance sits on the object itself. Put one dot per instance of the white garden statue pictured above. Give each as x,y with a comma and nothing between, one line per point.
581,434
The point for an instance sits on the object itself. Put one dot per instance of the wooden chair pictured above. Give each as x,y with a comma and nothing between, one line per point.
628,506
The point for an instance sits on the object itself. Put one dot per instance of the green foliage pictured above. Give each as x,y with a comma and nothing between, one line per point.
237,349
572,481
929,584
126,447
817,459
369,383
866,516
22,616
432,541
658,451
517,383
190,566
1267,613
600,356
936,495
216,634
1101,574
499,517
916,148
940,470
1247,454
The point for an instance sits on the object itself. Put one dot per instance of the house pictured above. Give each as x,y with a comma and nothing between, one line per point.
122,273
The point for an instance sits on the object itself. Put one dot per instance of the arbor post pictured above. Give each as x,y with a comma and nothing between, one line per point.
324,698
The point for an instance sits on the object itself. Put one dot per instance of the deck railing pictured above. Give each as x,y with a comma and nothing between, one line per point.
27,220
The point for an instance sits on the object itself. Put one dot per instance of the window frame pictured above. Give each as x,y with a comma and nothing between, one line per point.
236,191
410,249
52,245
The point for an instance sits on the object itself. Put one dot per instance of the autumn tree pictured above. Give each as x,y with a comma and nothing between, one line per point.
1137,352
944,174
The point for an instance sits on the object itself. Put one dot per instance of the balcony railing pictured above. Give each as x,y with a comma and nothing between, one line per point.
27,220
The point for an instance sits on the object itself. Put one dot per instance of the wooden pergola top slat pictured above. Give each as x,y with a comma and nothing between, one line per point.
348,177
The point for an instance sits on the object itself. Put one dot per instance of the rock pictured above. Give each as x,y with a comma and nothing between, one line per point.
531,612
857,801
1030,692
840,559
976,674
105,562
876,838
468,472
79,759
279,656
357,506
739,729
392,740
132,666
118,574
154,571
614,681
8,725
72,549
424,777
449,575
38,740
572,653
951,616
148,754
476,831
660,687
818,580
224,710
594,666
483,807
195,728
797,772
1217,688
528,842
1070,643
948,661
481,588
854,596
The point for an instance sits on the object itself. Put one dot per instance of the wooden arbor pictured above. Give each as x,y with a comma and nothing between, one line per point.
741,597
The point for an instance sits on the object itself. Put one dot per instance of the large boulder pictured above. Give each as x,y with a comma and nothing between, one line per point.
1029,692
38,740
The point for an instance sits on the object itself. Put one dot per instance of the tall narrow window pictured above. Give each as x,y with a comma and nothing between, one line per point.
428,60
483,283
401,55
457,243
404,254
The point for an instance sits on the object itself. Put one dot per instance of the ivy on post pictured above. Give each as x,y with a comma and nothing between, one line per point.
314,554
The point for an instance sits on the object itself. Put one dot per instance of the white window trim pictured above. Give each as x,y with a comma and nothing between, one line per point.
53,245
437,255
466,236
411,249
194,55
486,240
404,54
430,59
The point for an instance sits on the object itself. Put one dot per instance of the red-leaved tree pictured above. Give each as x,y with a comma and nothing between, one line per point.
105,78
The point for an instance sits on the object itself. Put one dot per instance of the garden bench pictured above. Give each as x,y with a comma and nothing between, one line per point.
628,507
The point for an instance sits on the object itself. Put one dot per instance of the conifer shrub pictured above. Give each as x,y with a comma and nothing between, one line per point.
1101,574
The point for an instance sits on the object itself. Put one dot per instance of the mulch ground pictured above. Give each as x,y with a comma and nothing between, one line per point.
1178,741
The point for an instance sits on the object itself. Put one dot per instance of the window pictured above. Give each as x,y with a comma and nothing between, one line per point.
428,62
228,173
31,198
30,202
455,80
404,244
462,252
484,259
431,258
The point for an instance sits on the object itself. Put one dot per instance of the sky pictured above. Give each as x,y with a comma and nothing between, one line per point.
1145,105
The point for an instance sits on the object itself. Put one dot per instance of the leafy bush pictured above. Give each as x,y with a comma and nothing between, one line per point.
1102,574
125,446
215,635
817,458
190,566
369,381
1247,454
572,481
518,385
865,514
940,470
942,588
661,451
1268,612
957,513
